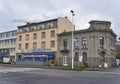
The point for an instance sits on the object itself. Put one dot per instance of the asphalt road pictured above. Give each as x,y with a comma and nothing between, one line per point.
12,75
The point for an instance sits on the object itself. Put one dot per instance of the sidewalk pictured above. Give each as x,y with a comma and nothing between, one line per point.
36,66
60,67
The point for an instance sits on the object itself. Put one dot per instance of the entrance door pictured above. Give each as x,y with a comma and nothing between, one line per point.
84,57
65,59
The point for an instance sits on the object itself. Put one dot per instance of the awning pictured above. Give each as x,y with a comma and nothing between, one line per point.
50,55
35,56
39,54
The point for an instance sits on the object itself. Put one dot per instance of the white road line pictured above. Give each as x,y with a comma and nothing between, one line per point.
114,73
18,70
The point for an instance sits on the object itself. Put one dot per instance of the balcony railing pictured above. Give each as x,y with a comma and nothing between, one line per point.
76,47
64,48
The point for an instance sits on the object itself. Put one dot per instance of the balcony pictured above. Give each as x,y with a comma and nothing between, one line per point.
77,47
64,48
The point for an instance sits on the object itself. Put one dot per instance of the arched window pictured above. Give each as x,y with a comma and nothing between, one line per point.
84,54
76,56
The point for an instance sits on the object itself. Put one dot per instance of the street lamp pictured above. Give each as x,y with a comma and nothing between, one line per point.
72,39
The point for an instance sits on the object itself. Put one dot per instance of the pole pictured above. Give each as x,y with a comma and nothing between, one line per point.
72,40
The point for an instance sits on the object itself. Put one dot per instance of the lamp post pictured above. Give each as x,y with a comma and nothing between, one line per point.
72,39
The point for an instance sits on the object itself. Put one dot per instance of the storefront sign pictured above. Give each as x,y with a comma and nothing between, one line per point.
40,50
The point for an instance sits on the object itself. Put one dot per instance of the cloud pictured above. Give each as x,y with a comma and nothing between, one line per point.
85,10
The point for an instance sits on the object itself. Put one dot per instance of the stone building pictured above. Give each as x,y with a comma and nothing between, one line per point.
94,46
117,47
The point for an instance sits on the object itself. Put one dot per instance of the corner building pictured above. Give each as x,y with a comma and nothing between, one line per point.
37,42
94,46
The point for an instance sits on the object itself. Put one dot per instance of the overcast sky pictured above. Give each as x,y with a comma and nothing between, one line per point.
40,10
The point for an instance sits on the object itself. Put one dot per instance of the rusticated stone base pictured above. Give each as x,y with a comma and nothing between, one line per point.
93,62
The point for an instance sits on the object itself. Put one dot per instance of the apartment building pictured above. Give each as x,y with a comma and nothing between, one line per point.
37,42
94,46
8,45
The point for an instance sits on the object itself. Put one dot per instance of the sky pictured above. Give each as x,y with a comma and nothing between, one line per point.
41,10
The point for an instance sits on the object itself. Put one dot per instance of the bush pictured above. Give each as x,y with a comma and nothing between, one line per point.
81,67
52,61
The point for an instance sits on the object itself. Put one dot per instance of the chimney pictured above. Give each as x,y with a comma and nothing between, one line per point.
28,23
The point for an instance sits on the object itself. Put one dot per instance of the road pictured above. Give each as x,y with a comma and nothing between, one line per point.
12,75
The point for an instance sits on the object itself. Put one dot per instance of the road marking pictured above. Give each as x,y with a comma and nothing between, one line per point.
18,70
112,73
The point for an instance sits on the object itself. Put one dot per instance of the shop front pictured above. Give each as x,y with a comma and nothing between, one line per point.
3,55
35,58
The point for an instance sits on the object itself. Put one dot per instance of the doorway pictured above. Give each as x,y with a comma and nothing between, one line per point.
65,59
84,57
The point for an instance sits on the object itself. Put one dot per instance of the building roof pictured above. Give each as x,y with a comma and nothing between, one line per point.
8,31
30,24
95,26
88,30
99,21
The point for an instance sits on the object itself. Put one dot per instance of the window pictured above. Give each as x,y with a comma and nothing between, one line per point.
43,44
84,54
31,28
35,36
12,49
52,33
3,35
65,43
27,37
101,42
20,38
41,27
76,43
45,25
76,56
55,24
84,42
52,44
43,34
13,33
102,56
34,45
20,46
6,42
7,34
0,36
27,46
13,41
49,26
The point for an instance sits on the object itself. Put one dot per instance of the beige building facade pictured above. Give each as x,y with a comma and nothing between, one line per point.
94,46
38,40
8,45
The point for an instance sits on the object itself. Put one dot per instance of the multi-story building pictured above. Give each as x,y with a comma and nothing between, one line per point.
8,45
38,40
94,46
118,47
118,51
